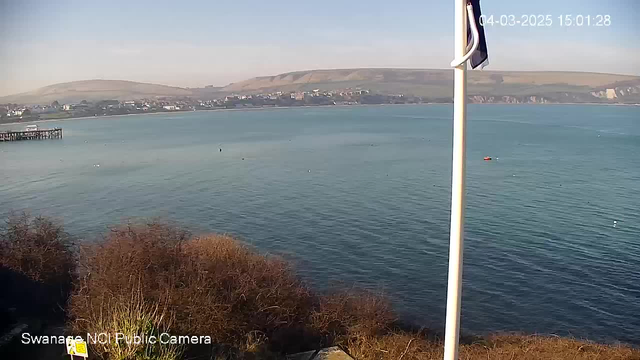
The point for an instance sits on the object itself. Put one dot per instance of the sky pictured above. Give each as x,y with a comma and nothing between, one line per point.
212,42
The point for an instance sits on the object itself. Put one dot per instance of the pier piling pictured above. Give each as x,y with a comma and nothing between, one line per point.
31,135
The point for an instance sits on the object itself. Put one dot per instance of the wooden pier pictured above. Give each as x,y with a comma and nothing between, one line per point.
31,135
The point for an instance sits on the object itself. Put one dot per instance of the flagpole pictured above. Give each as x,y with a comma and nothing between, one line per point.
454,288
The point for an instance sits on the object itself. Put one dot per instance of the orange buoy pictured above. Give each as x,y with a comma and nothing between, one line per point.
487,158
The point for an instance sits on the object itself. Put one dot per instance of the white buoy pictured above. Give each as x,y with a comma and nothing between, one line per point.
309,170
615,223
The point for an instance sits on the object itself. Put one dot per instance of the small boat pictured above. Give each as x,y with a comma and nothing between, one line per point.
487,158
31,128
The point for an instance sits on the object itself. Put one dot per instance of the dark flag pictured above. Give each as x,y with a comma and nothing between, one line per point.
480,56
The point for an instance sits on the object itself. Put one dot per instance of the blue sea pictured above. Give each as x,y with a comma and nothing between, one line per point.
360,196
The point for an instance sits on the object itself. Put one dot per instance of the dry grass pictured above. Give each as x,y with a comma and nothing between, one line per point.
408,346
395,345
532,347
133,318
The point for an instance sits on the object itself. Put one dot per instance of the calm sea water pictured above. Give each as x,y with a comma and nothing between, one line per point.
361,196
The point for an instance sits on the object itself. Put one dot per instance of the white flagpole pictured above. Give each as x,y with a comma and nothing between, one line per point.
454,288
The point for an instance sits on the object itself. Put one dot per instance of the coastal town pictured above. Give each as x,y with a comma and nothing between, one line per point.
84,108
13,112
16,112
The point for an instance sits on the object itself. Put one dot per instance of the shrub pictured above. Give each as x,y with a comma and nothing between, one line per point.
131,258
37,247
233,293
39,250
344,315
212,285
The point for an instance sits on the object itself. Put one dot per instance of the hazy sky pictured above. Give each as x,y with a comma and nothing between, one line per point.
197,43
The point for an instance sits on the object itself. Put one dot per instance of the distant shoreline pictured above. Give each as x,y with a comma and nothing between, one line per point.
292,107
154,113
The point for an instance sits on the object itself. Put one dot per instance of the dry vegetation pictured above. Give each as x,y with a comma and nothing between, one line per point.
36,247
343,316
153,278
210,285
409,346
133,318
37,263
